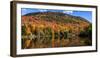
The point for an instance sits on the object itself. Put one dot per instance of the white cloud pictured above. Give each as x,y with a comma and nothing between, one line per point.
42,10
68,12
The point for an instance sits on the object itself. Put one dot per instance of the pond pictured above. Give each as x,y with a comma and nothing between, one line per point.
53,42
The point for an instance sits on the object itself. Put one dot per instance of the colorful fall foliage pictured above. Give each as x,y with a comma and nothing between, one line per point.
53,29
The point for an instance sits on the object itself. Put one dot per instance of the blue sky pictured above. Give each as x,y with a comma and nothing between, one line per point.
85,14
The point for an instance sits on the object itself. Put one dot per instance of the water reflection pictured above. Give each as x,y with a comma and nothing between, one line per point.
50,42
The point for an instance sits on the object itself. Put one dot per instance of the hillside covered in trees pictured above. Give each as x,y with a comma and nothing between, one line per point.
54,29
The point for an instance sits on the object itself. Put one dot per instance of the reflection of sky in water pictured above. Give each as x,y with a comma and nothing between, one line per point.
85,14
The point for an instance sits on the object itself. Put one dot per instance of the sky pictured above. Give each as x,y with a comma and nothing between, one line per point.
85,14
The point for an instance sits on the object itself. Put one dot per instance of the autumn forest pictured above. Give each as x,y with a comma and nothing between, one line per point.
54,29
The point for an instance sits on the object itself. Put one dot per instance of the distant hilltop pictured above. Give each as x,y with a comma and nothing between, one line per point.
58,15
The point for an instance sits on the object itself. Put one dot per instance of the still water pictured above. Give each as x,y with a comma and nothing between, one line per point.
50,42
